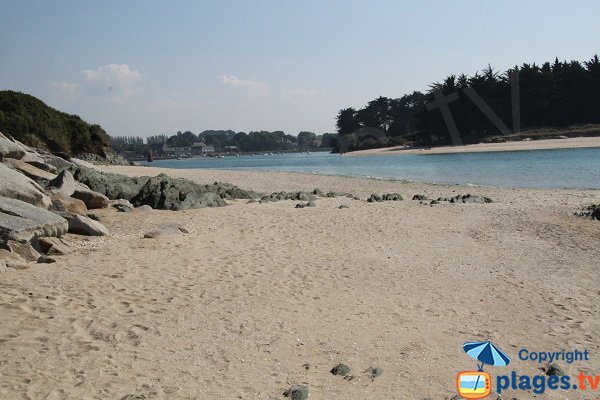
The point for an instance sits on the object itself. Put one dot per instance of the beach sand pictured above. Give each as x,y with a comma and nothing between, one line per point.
545,144
237,306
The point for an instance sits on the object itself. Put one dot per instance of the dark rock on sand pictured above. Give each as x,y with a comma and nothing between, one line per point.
420,197
164,231
45,260
24,250
22,221
308,204
554,369
228,191
340,369
343,206
374,198
318,192
299,196
113,186
470,199
392,197
374,372
166,193
592,211
297,392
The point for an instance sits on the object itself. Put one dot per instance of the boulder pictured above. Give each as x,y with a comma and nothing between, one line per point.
41,165
469,199
17,186
392,197
91,199
10,149
374,198
228,191
81,225
297,392
420,197
70,204
32,172
144,207
56,161
63,184
113,186
23,221
166,193
340,369
53,246
24,250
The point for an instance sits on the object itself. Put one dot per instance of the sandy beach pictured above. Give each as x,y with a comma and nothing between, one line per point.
257,297
545,144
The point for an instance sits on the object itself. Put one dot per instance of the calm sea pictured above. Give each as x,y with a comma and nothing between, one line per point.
562,168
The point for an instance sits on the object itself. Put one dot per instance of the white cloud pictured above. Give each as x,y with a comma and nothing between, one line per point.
67,90
232,80
115,78
302,92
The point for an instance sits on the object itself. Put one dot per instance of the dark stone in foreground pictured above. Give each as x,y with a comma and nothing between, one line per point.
374,372
469,199
386,197
340,369
554,369
297,392
420,197
592,211
166,193
113,186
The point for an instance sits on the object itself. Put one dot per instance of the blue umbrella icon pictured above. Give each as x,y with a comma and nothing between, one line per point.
487,353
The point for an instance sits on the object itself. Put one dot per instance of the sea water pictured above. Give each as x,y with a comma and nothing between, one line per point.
557,168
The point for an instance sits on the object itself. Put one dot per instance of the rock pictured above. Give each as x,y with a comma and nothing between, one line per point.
469,199
340,369
591,211
32,172
392,197
10,149
17,186
318,192
63,184
374,198
343,206
81,163
81,225
228,191
24,250
144,207
46,260
91,199
311,204
13,260
297,392
374,372
53,246
71,204
56,161
420,197
113,186
554,369
338,194
434,202
122,208
23,221
164,231
164,192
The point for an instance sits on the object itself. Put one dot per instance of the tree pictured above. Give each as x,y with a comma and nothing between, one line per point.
305,139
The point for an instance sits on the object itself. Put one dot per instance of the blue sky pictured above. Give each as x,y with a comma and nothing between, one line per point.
149,67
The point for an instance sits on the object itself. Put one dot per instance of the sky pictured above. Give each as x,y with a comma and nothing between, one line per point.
142,68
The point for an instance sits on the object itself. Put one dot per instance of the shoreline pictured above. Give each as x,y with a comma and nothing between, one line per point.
541,144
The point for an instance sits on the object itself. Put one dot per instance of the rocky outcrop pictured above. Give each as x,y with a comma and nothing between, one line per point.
36,174
298,196
17,186
113,186
166,193
22,221
229,192
53,246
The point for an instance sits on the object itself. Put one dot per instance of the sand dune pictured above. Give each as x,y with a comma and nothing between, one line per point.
235,307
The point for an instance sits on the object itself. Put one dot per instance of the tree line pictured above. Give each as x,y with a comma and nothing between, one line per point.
554,94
